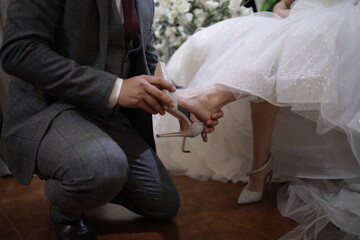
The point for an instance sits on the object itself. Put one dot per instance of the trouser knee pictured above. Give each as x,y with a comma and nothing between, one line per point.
167,209
83,188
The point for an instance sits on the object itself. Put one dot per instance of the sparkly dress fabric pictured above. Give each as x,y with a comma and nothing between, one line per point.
309,65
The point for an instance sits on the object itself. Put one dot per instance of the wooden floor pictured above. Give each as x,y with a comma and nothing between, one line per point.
208,211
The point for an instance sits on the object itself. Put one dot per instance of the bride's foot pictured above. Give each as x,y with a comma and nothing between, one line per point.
259,177
203,102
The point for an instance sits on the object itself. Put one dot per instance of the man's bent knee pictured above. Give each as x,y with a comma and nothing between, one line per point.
86,187
167,209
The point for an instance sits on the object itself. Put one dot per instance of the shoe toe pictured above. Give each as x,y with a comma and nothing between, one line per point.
246,196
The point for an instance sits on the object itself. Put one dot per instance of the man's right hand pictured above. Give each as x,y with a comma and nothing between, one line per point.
145,92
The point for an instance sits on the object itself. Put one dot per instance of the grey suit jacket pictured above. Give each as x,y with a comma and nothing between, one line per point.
58,50
4,78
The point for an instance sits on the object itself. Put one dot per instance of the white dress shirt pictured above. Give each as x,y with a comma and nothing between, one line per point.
115,93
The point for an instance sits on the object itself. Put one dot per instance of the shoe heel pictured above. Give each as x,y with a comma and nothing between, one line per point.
190,130
172,134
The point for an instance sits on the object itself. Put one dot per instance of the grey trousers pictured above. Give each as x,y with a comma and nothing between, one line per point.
88,162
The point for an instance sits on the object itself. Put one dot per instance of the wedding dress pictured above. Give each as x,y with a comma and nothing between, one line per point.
307,63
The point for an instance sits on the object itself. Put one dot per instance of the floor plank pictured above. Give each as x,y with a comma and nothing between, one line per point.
208,211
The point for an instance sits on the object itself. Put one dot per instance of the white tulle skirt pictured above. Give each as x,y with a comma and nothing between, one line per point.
307,63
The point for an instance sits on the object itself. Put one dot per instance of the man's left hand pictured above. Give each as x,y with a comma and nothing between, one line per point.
209,124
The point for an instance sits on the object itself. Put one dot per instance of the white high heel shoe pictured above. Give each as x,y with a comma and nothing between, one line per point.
187,128
246,196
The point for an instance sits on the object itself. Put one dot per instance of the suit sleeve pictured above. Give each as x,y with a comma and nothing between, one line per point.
150,51
151,54
28,54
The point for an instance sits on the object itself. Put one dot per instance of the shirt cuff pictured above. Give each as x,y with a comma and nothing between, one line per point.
115,93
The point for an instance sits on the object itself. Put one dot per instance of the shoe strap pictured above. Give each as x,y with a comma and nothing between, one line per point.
261,168
174,96
186,113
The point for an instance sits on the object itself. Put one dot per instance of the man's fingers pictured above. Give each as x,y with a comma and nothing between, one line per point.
154,104
144,106
160,96
161,83
217,115
204,136
208,129
211,123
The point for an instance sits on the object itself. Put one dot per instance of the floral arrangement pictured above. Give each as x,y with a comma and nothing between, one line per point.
176,20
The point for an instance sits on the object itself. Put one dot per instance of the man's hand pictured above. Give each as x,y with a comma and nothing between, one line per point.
209,124
144,92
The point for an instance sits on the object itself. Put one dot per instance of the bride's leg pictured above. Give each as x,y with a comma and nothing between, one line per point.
263,115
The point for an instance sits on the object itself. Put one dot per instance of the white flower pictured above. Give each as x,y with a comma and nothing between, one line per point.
211,5
177,20
186,19
169,32
160,45
199,17
160,13
244,11
189,17
234,5
181,30
182,6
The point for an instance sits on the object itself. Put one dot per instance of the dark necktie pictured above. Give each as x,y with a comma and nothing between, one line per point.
131,21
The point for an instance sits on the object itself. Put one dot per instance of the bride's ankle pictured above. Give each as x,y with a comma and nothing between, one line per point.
221,95
256,183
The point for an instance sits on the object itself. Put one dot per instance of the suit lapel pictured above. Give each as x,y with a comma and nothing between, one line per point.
140,10
103,7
